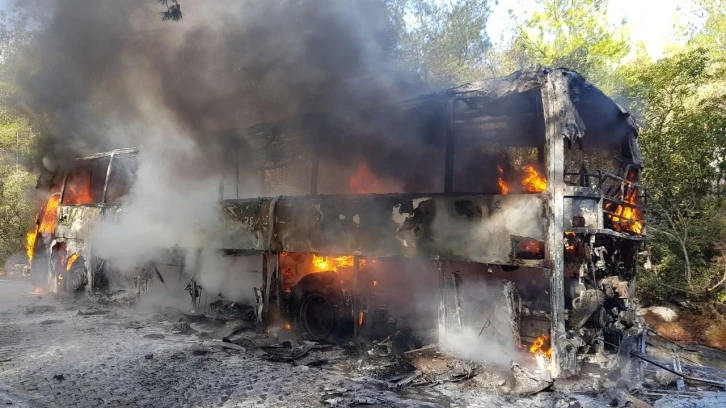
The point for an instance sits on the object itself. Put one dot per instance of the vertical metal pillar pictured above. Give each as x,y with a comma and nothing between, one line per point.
455,284
195,286
449,149
554,154
108,177
266,278
278,283
356,309
442,302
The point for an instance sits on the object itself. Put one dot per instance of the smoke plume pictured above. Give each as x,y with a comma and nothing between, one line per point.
105,75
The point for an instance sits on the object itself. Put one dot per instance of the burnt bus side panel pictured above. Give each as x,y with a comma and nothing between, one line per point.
77,221
482,229
75,224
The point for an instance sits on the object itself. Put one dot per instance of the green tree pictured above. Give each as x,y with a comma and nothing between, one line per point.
573,34
17,143
444,42
683,141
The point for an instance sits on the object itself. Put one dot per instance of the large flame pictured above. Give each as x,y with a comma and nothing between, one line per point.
78,189
533,182
30,239
538,347
46,226
329,263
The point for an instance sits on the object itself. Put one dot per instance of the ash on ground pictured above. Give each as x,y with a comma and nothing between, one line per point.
112,355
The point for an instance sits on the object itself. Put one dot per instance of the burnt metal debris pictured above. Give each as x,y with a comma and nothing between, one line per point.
538,185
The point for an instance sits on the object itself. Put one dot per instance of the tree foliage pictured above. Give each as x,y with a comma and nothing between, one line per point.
443,42
17,144
682,139
573,34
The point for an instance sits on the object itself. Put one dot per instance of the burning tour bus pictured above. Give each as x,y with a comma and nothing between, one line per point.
507,211
77,196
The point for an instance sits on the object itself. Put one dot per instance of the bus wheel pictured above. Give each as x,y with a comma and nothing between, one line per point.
318,307
76,276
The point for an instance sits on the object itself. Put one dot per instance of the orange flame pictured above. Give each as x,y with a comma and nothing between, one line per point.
30,239
47,225
364,181
627,218
329,263
538,347
288,326
503,187
71,259
360,319
38,291
531,247
78,189
533,182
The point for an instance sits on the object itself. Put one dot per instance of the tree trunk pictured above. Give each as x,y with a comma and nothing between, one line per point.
688,263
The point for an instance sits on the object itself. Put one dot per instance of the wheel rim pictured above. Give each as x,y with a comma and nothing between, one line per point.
317,316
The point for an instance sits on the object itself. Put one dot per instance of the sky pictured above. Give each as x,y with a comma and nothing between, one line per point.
651,22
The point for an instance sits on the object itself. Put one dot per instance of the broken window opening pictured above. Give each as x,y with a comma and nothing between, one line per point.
122,177
85,182
499,147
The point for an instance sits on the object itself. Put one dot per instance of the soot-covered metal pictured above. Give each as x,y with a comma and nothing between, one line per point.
530,178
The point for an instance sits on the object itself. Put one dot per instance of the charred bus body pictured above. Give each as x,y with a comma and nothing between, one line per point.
531,179
78,196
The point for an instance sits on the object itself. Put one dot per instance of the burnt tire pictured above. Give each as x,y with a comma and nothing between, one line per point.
318,307
76,277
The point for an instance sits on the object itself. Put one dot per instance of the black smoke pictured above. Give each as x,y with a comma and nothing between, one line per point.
101,75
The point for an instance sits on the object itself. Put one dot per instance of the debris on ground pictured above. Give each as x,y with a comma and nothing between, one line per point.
39,309
229,329
51,321
134,325
436,367
526,382
183,327
230,346
287,351
622,398
388,372
93,312
234,310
